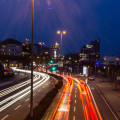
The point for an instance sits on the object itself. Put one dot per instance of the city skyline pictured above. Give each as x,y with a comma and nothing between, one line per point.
84,21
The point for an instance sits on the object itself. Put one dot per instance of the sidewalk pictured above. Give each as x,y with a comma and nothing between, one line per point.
111,94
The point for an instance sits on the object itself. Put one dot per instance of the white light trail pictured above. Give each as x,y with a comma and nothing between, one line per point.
21,94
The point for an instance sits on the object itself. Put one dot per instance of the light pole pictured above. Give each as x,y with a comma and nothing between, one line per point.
41,44
61,32
32,55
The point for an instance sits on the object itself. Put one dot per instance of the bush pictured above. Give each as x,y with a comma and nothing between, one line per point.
55,76
43,105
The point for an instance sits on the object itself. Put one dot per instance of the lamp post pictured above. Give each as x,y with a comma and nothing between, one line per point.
41,44
32,55
61,33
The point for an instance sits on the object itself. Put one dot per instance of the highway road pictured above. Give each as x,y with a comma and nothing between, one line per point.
81,101
11,80
15,99
106,110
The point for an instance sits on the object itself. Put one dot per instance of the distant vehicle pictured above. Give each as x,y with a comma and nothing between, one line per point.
91,78
8,71
81,75
1,70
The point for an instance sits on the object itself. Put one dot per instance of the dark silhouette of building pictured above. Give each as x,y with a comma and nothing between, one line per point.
90,52
26,49
10,47
55,51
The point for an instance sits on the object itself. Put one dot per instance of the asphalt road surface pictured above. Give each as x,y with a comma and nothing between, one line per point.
82,101
79,100
104,107
15,99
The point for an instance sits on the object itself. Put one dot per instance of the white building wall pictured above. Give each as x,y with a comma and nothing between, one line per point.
110,60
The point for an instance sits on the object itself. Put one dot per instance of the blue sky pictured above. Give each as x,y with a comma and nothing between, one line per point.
84,20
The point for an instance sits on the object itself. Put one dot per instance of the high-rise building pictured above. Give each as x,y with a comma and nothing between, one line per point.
55,51
90,51
96,49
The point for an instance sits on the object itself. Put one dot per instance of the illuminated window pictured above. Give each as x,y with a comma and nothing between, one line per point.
55,54
17,46
46,52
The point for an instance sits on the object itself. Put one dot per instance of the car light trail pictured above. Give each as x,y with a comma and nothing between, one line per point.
15,87
21,94
90,111
63,106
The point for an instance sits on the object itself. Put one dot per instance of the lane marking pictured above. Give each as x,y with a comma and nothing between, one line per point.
92,88
27,100
75,101
94,102
96,88
106,103
5,117
74,108
109,107
75,95
34,94
17,107
73,117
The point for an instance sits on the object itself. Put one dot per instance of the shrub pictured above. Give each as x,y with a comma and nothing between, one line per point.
43,105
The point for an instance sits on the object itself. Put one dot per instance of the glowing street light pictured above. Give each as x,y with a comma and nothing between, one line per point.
41,44
64,32
58,32
61,32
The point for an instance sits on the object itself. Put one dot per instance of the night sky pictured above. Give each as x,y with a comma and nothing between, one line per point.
84,21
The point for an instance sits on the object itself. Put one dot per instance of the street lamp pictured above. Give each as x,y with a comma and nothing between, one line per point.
32,55
26,41
61,32
41,44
